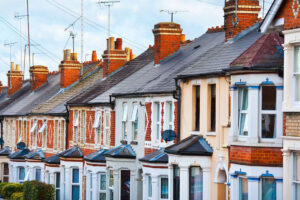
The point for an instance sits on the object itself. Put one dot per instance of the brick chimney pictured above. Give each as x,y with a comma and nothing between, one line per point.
115,58
38,75
69,68
15,79
247,16
94,56
1,85
167,37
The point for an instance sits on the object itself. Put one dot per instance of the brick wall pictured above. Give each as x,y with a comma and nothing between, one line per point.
175,120
148,121
149,150
291,124
256,156
112,128
15,81
38,76
289,10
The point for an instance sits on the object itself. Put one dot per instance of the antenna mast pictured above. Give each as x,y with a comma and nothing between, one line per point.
172,13
81,32
28,31
72,33
10,44
20,17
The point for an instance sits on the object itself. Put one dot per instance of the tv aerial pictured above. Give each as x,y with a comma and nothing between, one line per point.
72,33
173,12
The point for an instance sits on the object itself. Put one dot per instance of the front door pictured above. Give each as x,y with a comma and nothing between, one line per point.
125,185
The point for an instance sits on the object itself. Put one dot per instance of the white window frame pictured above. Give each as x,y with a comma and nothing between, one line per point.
107,127
271,112
157,120
161,177
21,181
294,74
83,127
75,125
294,170
149,181
55,185
240,111
99,186
169,112
56,133
35,171
97,126
75,184
90,188
110,188
134,120
124,121
242,177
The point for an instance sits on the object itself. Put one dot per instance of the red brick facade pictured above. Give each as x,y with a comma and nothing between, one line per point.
113,128
148,121
15,79
289,10
256,156
38,76
167,38
247,16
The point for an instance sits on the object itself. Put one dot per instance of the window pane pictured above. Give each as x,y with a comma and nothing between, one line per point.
196,183
149,186
243,124
268,98
170,112
21,173
75,175
297,191
57,195
212,107
5,169
75,192
268,123
296,59
297,87
38,174
197,107
111,178
243,189
102,182
244,98
164,188
176,182
102,196
57,180
268,189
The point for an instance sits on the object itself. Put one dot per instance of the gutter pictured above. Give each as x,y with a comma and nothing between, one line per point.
207,75
141,93
67,126
178,98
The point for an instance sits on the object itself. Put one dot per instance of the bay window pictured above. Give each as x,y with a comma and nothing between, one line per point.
75,184
102,186
134,120
149,187
124,121
157,112
268,188
57,186
243,188
111,185
176,182
268,111
164,188
296,175
296,74
37,172
196,183
243,111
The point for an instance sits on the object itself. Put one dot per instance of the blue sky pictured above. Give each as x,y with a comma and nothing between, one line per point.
132,20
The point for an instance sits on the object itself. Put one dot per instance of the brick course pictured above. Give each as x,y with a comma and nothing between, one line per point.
291,124
148,121
38,76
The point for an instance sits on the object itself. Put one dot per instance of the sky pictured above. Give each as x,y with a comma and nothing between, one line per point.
132,20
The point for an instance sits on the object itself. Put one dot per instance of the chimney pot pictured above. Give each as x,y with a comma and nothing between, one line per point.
119,43
67,54
14,79
112,43
182,38
12,66
74,56
94,56
17,67
69,69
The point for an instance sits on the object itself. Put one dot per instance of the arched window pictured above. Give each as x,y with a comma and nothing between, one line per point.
268,188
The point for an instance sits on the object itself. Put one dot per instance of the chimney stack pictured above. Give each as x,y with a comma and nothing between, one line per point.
38,75
239,17
15,79
94,56
69,68
167,38
115,58
1,85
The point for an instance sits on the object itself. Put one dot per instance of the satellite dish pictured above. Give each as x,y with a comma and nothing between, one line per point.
1,141
21,145
168,135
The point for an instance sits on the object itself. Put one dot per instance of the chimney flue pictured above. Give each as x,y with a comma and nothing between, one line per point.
39,76
67,54
119,43
14,79
94,56
112,43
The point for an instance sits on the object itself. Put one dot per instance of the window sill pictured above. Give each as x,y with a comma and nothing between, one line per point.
211,134
262,144
134,143
123,142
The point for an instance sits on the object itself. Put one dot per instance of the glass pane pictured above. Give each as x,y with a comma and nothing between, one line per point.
268,123
102,182
75,192
170,112
57,195
75,175
164,188
243,189
244,98
176,182
268,189
57,180
268,98
197,108
111,194
91,181
296,59
6,169
212,107
157,111
297,191
149,186
196,183
157,131
102,196
243,124
38,174
297,88
21,173
111,178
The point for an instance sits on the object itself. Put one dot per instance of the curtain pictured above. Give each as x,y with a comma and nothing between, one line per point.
268,189
164,188
196,183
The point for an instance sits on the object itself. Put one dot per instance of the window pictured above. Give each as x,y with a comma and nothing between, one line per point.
75,125
34,131
243,111
212,105
111,185
134,120
107,127
268,111
149,186
21,174
20,129
176,182
38,172
124,121
157,112
97,126
268,188
57,186
296,175
196,109
43,130
296,73
62,134
91,185
83,125
164,188
5,172
196,183
75,184
25,131
169,108
56,134
102,186
243,188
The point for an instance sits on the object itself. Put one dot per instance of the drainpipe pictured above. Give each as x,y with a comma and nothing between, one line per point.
67,125
178,98
112,102
1,121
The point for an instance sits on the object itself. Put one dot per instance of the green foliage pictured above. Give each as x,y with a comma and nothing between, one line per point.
7,189
35,190
17,196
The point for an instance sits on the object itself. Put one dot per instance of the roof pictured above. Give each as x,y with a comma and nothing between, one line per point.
192,145
89,66
270,15
74,152
113,79
122,151
5,151
266,52
19,155
159,156
98,156
52,159
25,100
3,94
36,155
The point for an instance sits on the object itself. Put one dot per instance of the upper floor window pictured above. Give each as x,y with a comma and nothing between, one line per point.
268,111
83,125
296,73
134,120
107,127
243,111
212,107
25,131
196,107
124,120
296,175
62,134
56,134
157,111
75,125
43,130
169,119
97,126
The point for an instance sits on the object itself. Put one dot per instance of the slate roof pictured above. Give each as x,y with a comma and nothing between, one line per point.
89,66
122,151
20,154
98,156
55,159
5,151
192,145
3,94
159,156
265,53
74,152
36,155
